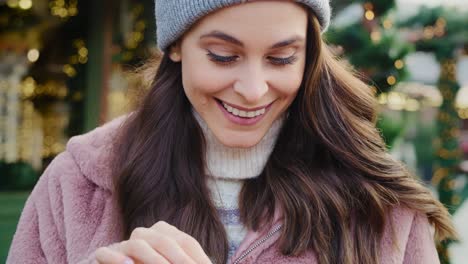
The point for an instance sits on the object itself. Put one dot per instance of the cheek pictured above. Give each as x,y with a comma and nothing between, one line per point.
201,82
201,77
287,83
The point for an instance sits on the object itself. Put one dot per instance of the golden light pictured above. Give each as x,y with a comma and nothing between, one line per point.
463,113
83,52
83,60
73,11
69,70
461,99
33,55
376,36
439,32
137,36
387,24
412,105
28,86
399,64
441,22
28,90
428,32
140,25
64,10
383,99
391,80
63,13
78,43
369,15
12,3
396,101
25,4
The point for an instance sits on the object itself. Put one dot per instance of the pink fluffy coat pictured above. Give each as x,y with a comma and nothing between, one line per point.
72,211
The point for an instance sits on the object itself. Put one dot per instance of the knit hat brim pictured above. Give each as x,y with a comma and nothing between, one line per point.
174,17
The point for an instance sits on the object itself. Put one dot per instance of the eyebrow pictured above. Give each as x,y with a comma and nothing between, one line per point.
223,36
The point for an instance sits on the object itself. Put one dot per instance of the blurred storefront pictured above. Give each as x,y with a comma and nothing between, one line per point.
63,72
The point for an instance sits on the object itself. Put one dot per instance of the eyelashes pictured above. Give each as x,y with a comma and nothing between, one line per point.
228,60
221,59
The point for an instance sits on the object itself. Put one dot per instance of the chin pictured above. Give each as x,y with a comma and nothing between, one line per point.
239,141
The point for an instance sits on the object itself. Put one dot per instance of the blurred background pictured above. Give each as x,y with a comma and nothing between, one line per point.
65,68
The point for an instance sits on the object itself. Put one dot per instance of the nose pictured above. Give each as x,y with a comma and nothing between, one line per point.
252,86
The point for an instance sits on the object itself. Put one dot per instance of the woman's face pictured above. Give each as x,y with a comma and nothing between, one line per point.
242,66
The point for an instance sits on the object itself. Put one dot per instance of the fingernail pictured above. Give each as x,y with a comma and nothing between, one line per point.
128,261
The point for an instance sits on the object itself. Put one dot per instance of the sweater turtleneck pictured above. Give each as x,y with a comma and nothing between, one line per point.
227,168
237,163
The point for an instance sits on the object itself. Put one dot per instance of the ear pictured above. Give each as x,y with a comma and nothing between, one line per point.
175,52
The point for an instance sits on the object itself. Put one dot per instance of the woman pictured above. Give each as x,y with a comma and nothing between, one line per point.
253,145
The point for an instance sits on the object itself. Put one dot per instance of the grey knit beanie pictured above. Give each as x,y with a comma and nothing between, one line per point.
174,17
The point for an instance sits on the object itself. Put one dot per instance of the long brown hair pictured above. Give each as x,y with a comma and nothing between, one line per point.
330,171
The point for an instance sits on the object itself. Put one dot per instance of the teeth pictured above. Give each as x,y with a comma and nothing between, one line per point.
241,113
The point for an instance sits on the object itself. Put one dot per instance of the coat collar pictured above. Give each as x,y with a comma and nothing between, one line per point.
92,152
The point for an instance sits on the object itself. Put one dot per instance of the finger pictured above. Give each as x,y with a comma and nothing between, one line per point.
141,251
166,246
189,244
105,255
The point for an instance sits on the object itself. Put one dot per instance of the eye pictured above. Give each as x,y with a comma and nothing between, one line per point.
283,61
221,59
227,60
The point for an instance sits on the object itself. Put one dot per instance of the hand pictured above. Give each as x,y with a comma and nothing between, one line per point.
160,244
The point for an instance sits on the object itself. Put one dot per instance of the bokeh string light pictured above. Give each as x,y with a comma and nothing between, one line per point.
373,38
21,4
31,90
45,129
135,37
80,57
63,9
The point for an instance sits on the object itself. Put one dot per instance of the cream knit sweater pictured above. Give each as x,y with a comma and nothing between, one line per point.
228,168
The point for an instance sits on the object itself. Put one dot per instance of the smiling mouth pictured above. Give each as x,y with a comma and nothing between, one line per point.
241,112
